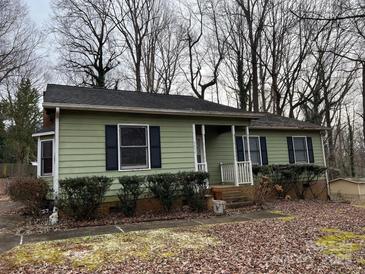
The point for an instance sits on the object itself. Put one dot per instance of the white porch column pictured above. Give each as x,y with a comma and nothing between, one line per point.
194,147
249,153
204,150
233,129
39,161
56,151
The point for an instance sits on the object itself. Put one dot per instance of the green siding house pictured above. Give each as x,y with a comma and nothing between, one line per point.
112,133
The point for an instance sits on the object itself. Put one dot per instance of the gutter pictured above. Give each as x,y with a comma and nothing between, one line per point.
152,110
40,134
291,128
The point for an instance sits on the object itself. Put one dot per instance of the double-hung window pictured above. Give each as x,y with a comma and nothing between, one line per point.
133,147
255,150
46,158
300,148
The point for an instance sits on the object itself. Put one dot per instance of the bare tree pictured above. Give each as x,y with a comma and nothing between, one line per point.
255,13
199,60
170,48
19,38
89,50
133,18
237,65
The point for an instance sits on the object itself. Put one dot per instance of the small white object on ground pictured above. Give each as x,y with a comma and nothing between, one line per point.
219,207
53,218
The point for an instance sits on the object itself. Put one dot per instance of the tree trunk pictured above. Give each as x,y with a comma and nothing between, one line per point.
255,82
363,101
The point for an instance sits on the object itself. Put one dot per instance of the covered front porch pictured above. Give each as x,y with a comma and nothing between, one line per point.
215,150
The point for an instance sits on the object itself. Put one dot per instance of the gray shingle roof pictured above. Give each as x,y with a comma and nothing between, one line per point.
86,98
280,122
63,95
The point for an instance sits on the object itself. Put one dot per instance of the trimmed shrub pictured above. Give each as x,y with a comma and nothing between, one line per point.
30,191
129,192
194,188
81,197
164,187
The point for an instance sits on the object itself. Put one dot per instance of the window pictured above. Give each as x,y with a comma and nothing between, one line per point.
300,149
46,158
134,147
254,149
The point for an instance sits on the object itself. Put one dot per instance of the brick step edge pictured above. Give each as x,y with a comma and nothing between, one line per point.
239,204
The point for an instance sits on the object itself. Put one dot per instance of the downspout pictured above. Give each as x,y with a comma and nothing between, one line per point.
56,156
194,149
249,153
39,161
325,165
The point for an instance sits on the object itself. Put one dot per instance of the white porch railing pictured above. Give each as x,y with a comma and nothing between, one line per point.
244,173
202,167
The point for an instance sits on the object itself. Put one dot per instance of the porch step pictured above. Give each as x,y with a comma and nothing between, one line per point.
235,196
239,204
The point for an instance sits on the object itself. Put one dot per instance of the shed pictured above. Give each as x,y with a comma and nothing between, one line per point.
349,189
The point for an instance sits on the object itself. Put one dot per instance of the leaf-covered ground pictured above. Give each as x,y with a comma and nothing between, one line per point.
313,238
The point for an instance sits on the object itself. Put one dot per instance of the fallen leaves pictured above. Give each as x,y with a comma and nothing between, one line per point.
257,246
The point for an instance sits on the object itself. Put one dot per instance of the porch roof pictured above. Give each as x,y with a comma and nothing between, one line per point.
271,121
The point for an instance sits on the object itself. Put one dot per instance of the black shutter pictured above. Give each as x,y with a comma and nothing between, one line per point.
310,150
155,147
239,149
111,147
265,160
290,149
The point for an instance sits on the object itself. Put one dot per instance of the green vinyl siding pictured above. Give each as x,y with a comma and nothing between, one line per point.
82,142
277,147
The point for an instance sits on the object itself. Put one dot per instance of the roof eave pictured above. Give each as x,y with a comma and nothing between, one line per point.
151,110
40,134
291,128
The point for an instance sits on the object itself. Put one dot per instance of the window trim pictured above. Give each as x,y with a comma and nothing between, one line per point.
147,126
244,150
41,174
306,146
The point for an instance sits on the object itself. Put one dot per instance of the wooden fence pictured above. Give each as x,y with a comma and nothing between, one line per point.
8,170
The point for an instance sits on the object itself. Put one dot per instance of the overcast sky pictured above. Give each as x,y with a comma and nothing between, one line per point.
39,10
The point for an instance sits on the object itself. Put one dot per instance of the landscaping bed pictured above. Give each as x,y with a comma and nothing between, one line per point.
35,225
313,237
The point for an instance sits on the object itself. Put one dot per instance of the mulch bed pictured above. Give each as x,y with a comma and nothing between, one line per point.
40,225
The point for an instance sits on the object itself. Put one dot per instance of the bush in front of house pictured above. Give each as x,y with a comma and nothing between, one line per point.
298,177
81,197
131,189
30,191
194,188
164,187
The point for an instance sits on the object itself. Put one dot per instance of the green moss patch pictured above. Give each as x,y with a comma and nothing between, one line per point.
342,244
279,212
287,219
95,252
